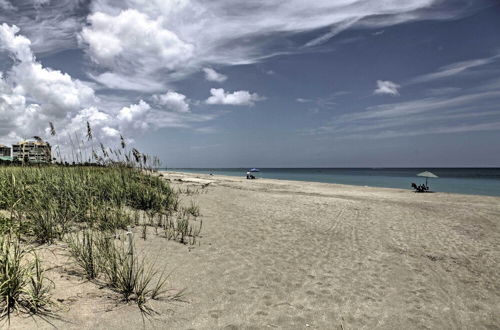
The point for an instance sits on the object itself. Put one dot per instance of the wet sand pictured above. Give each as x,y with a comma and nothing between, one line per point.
303,255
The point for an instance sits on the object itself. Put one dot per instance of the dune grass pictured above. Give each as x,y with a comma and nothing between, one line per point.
87,206
23,284
118,264
48,204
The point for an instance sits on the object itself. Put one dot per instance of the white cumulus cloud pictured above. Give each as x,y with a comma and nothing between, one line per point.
18,45
131,118
32,95
173,101
133,44
386,87
212,75
219,96
52,94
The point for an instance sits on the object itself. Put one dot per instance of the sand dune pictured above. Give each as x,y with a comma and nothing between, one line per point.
296,255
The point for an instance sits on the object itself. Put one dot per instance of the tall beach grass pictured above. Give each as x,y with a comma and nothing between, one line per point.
101,196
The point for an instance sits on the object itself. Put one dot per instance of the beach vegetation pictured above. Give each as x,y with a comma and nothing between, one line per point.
23,284
116,262
88,203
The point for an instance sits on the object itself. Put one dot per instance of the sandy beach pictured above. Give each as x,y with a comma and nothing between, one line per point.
303,255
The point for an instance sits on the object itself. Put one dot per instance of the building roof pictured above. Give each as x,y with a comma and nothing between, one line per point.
38,143
4,146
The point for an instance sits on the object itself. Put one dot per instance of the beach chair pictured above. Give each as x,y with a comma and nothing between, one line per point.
420,188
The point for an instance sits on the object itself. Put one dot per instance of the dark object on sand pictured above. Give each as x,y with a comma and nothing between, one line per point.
250,175
420,188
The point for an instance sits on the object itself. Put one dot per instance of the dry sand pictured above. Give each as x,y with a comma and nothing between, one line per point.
303,255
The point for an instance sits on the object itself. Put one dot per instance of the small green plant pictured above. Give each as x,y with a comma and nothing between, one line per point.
38,290
13,275
23,284
119,265
108,259
159,289
83,249
182,229
193,209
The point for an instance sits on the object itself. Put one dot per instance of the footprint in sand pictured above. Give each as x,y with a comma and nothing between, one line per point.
216,313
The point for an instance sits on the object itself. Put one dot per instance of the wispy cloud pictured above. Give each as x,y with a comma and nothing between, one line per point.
443,91
443,129
206,130
417,106
171,39
50,25
323,102
336,29
436,115
454,69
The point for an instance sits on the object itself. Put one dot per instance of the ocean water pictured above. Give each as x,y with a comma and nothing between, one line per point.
475,181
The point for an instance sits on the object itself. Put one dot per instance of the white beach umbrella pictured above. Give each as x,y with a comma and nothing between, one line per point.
427,175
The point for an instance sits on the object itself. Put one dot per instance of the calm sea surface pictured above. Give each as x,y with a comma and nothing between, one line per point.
477,181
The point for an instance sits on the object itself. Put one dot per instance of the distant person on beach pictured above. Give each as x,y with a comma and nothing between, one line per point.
248,175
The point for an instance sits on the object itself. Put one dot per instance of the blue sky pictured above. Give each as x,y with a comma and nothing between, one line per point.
344,83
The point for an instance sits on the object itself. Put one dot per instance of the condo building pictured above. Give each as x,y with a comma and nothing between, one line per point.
36,151
4,151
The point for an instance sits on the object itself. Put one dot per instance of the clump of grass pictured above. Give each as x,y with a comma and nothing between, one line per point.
83,249
193,209
23,284
45,226
189,191
38,290
182,228
13,275
120,266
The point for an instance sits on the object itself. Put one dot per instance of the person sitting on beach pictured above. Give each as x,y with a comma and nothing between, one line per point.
423,188
248,175
420,188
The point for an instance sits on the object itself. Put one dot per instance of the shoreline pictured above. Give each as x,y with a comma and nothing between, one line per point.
186,176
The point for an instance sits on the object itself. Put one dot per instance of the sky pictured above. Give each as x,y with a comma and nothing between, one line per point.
262,83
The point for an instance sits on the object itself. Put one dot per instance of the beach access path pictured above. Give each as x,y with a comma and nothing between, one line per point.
301,255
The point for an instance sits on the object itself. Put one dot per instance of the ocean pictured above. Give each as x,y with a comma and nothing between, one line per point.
475,181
